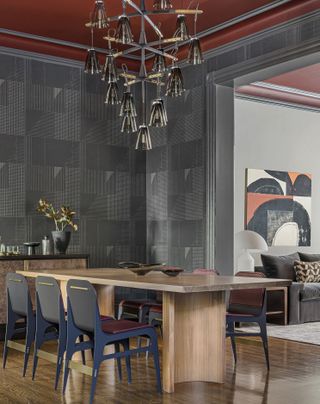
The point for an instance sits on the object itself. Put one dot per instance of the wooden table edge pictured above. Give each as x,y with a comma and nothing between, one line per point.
159,287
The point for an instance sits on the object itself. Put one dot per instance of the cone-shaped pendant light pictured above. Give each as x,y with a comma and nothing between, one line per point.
143,139
99,17
123,32
158,114
175,86
112,97
195,53
182,30
162,5
159,63
129,123
92,65
127,104
110,72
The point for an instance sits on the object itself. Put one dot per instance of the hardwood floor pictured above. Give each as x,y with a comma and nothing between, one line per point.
294,379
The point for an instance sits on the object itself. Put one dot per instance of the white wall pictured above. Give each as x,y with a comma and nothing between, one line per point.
277,138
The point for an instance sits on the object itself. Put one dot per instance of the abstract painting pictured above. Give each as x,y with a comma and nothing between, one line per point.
278,206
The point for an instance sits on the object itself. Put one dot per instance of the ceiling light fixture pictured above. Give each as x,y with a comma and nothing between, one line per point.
158,74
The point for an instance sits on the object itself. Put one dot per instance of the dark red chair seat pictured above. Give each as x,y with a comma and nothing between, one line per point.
118,326
240,314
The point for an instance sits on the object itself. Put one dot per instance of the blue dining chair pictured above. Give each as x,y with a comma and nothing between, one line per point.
84,318
248,306
51,322
19,307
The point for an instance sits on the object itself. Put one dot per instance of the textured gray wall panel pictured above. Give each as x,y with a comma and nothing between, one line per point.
59,141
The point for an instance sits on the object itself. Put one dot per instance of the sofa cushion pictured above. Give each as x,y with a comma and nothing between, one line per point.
309,257
307,272
279,266
310,291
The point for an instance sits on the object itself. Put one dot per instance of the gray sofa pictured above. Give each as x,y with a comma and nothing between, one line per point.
304,298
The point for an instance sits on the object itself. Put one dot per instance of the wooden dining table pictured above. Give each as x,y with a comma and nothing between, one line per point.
194,315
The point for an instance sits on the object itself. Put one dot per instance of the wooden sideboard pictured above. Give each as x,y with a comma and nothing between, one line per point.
34,262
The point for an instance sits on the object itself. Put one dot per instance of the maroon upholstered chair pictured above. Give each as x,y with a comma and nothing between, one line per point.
248,306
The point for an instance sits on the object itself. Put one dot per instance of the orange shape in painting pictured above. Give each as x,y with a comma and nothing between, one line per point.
255,200
293,176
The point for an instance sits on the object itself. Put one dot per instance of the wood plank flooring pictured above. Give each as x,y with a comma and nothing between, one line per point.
294,378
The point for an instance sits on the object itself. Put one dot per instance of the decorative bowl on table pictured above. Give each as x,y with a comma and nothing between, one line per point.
172,271
138,268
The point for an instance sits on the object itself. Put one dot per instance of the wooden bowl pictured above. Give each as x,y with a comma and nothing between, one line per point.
140,271
138,268
172,271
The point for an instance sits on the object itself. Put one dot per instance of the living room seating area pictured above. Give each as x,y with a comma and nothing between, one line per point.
303,297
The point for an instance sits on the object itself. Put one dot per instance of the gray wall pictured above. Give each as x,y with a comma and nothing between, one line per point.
59,141
176,179
277,138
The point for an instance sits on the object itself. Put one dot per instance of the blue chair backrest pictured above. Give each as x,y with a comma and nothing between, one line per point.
18,293
49,298
82,301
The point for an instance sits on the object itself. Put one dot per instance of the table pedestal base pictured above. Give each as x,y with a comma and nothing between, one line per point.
193,338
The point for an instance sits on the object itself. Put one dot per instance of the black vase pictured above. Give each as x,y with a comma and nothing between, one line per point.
61,240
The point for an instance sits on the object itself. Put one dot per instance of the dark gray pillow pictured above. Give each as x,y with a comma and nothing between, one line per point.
280,266
309,257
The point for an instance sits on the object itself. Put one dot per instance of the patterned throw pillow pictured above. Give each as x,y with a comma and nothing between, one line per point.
307,271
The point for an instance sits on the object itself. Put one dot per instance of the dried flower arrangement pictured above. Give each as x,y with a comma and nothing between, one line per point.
62,217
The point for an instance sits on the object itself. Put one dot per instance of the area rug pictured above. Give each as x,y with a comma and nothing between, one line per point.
308,333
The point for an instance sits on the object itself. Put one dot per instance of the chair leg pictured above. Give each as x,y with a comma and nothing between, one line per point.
83,354
154,347
126,346
264,337
98,352
9,335
61,350
66,374
37,345
29,341
71,340
35,364
233,341
117,349
141,319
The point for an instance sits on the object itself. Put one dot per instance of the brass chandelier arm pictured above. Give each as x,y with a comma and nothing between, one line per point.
159,52
160,12
147,13
134,47
113,39
125,52
131,82
128,76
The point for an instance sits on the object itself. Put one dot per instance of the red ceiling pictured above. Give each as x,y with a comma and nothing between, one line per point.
64,20
305,79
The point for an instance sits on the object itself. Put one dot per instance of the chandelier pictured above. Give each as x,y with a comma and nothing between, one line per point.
163,72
